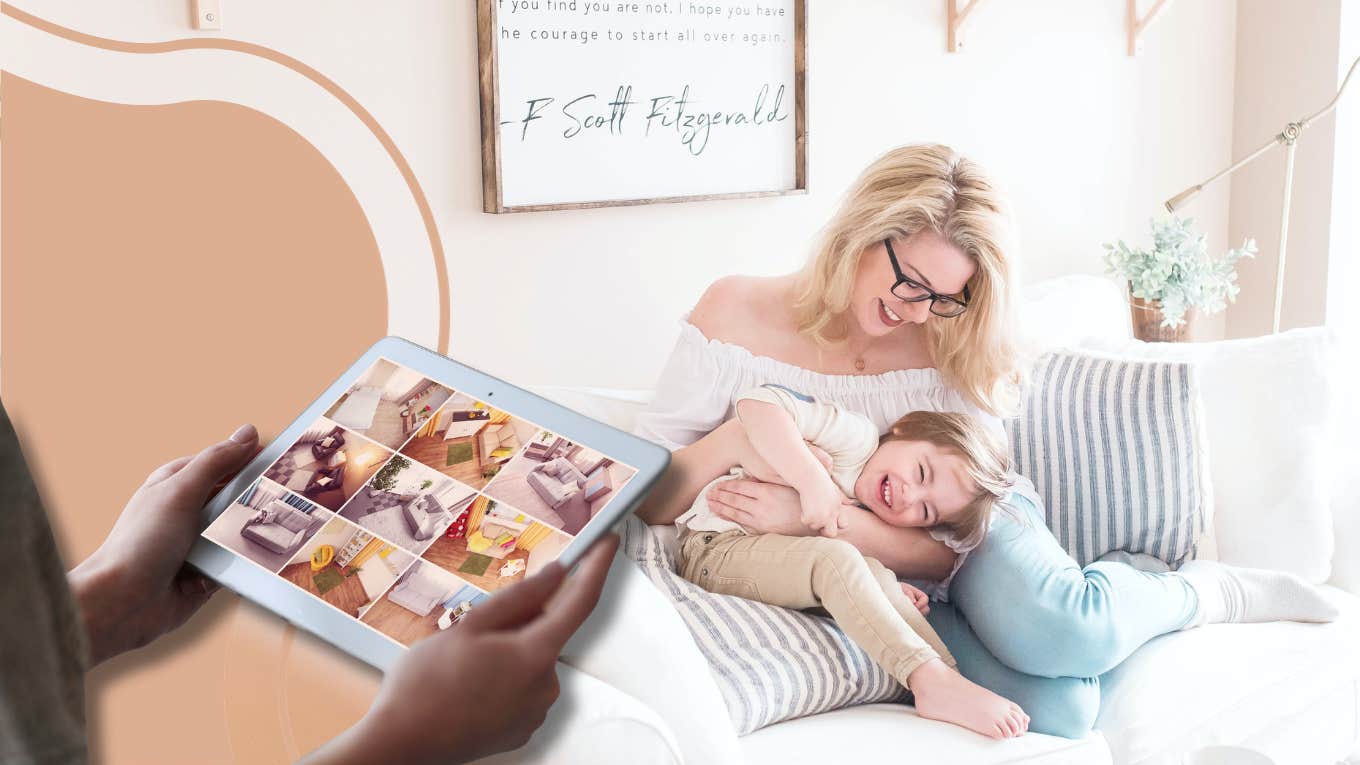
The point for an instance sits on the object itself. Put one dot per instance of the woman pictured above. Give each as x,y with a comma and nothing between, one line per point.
907,305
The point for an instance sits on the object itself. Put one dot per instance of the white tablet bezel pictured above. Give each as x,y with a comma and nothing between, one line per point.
310,613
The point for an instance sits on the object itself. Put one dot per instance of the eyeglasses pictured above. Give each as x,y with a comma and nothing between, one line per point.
911,291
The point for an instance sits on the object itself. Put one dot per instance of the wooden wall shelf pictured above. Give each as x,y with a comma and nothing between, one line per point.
957,14
1136,26
958,11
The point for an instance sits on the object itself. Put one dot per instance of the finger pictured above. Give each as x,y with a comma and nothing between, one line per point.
194,584
577,599
744,487
165,471
216,462
731,499
732,514
513,606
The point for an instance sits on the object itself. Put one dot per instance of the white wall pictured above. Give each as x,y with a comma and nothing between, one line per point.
1287,62
1088,140
1344,249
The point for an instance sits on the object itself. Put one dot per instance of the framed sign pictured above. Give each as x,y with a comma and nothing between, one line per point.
587,103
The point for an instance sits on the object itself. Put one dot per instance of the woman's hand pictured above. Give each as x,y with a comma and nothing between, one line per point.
762,508
765,508
136,586
483,686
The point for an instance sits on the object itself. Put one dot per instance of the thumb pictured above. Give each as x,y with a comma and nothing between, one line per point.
219,461
517,604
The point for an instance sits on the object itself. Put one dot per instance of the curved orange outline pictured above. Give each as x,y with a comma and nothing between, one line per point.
407,174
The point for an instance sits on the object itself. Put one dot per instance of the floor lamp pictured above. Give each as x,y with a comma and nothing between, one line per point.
1287,137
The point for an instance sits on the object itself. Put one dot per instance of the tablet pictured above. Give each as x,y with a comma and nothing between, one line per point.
408,493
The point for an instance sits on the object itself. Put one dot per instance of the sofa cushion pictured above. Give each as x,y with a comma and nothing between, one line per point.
295,521
769,663
1268,411
865,734
1116,451
1239,684
272,535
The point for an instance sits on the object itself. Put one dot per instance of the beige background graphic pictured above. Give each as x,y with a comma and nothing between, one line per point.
168,271
115,359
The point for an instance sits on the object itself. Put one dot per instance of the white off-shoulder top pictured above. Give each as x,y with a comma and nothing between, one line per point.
702,379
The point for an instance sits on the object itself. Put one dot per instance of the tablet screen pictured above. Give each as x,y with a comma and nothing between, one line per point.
409,502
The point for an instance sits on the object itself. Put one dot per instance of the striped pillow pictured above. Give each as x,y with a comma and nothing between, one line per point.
1116,451
770,663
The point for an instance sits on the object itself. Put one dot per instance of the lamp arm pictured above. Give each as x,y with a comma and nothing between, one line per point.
1287,136
1332,103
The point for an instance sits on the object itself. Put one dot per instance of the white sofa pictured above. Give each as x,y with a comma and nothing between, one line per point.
637,690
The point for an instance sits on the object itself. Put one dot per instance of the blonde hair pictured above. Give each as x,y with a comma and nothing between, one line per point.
927,187
984,456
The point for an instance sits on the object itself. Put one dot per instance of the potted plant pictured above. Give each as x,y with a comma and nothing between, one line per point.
387,477
1174,279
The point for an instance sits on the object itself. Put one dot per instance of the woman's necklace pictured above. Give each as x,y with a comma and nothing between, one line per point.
860,354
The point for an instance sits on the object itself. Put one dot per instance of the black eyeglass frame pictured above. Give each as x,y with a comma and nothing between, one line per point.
934,297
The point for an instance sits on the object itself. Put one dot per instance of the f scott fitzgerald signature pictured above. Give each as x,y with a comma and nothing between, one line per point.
677,114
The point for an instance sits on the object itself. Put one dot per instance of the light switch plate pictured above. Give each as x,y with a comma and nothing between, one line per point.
207,14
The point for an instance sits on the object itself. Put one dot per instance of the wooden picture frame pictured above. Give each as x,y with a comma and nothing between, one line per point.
489,86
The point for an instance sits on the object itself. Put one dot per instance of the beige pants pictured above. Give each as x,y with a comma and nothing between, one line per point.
860,593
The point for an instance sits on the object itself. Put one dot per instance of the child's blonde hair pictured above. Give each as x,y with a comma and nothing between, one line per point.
985,457
927,188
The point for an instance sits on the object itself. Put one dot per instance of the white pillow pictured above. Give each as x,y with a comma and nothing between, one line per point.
613,406
1062,312
1268,407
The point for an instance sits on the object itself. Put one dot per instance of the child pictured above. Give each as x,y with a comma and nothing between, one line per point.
934,470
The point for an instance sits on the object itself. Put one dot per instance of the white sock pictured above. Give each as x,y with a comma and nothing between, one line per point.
1235,594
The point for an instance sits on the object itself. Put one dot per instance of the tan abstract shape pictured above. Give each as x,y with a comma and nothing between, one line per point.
321,80
169,272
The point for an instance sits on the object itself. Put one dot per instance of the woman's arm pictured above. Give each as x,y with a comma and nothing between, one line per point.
764,508
692,468
910,552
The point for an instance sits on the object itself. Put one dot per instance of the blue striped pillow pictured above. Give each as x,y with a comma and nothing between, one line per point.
1116,451
770,663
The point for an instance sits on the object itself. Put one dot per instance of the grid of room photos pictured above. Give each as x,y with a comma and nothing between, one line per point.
408,503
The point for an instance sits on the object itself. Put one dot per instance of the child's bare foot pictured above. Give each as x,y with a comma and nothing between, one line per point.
945,695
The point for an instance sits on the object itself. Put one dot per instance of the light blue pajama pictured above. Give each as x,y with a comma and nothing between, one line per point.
1027,622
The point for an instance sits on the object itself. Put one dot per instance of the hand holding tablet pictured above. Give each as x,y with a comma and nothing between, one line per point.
427,519
464,540
137,586
497,669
